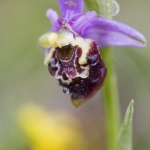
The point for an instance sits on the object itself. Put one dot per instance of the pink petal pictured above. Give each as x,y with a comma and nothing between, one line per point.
54,18
78,24
112,33
69,8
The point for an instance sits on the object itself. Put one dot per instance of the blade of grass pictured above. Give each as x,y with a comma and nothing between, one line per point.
124,139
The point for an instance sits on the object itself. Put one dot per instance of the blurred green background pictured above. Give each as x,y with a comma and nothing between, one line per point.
24,78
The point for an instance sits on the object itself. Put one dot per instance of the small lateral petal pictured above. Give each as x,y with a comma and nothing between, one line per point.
112,33
54,18
78,24
70,8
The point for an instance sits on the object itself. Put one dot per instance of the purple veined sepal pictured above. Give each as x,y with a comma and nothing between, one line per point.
78,23
54,19
107,32
70,8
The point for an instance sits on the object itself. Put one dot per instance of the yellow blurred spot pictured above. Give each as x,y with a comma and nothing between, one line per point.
51,131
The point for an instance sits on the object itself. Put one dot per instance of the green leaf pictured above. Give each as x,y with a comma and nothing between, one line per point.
102,7
124,139
93,5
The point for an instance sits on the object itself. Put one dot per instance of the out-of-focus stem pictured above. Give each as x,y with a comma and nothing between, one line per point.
93,5
102,7
111,99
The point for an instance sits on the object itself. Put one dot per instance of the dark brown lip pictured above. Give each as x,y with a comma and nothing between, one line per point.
65,52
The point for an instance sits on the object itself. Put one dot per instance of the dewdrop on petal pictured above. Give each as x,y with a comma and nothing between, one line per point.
115,8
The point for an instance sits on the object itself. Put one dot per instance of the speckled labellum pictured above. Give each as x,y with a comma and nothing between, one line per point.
77,64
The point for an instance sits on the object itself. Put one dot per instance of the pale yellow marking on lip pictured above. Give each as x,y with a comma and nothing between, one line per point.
63,38
85,73
66,38
48,56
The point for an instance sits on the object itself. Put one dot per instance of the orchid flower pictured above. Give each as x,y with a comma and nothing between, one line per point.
72,47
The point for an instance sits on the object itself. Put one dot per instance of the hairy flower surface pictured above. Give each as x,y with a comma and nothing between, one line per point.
72,47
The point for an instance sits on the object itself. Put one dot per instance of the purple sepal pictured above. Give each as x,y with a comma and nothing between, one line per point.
79,23
70,8
112,33
54,19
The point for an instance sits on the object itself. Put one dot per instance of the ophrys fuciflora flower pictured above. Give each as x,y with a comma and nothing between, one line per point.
72,47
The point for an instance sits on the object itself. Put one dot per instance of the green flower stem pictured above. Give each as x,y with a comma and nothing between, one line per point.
106,8
111,100
102,7
93,5
110,89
